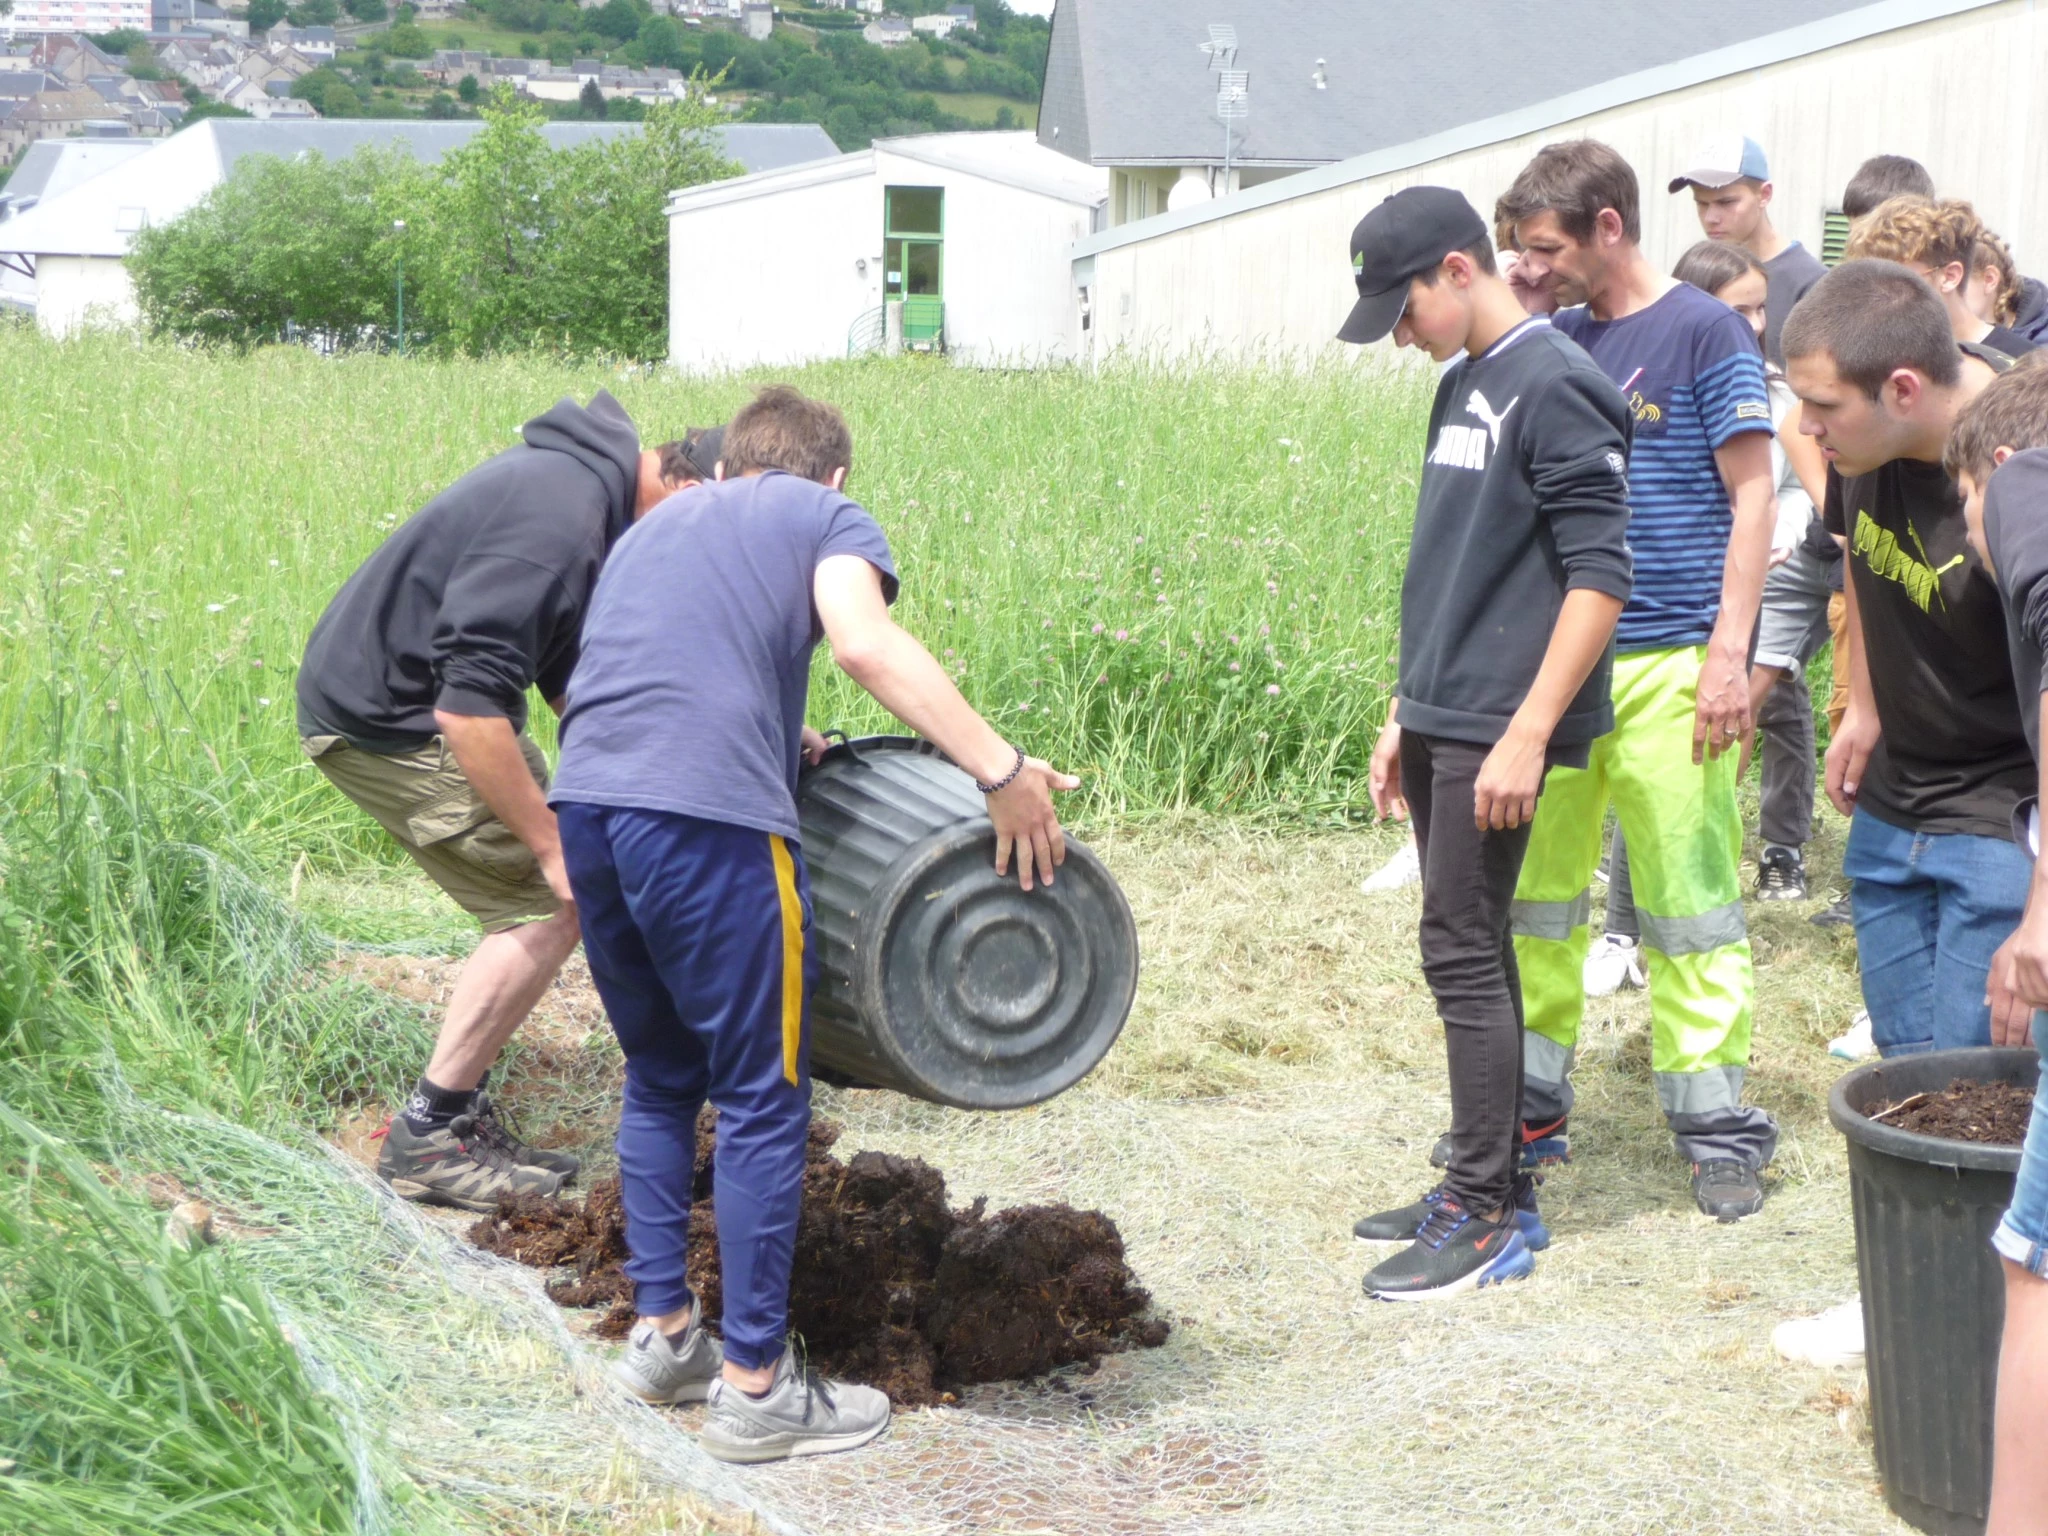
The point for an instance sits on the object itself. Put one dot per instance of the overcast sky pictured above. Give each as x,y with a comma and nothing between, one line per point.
1032,7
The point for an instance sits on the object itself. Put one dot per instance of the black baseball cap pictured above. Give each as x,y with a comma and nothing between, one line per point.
704,447
1404,237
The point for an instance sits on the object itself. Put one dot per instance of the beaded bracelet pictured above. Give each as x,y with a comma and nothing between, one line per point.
1005,781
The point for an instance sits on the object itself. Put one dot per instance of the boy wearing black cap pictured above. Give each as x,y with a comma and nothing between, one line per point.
1517,571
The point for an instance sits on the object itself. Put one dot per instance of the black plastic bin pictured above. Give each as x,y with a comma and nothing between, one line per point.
939,979
1933,1295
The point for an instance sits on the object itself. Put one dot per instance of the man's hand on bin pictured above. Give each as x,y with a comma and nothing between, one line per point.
1026,821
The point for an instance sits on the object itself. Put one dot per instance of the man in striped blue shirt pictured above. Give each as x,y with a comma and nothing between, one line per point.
1701,505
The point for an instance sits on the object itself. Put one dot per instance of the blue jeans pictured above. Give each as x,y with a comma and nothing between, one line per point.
2022,1235
1931,909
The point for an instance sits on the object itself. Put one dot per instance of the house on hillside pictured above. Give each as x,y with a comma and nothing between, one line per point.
1820,84
758,22
954,241
316,43
888,31
938,24
76,245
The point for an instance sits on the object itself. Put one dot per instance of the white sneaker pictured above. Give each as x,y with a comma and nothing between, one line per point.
1834,1338
1612,964
1404,868
1855,1044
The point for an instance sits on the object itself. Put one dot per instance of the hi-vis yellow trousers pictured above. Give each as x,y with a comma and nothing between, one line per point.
1684,849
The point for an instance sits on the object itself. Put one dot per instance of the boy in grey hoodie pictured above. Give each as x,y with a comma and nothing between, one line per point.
1517,570
412,701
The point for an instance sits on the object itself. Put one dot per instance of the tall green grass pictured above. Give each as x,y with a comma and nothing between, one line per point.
1185,586
1182,586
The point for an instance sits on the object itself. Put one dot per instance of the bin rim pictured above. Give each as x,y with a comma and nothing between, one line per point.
1985,1063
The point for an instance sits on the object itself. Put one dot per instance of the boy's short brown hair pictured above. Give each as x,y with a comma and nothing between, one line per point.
1481,252
1885,176
783,429
1874,318
1574,180
2010,412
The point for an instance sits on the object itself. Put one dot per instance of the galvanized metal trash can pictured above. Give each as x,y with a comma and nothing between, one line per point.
1933,1294
937,978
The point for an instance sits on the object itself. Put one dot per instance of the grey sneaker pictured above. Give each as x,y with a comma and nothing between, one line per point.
802,1415
661,1368
455,1166
495,1129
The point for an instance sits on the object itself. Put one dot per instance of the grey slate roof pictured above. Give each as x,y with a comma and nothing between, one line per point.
1125,83
756,146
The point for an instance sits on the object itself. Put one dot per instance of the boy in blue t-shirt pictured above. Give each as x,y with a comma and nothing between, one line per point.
677,805
1702,507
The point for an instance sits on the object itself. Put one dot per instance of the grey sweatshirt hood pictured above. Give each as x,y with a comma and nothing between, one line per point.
602,438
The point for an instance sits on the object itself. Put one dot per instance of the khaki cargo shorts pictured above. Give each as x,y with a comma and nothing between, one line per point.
422,800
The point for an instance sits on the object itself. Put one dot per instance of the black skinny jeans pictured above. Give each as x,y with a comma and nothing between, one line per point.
1468,958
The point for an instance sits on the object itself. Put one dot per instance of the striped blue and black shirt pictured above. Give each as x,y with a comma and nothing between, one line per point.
1692,375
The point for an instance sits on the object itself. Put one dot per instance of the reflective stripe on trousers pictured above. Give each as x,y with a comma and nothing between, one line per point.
1685,840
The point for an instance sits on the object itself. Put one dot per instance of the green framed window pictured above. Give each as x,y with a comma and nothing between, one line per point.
913,242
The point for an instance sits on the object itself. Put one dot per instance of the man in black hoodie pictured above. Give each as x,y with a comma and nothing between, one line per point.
412,700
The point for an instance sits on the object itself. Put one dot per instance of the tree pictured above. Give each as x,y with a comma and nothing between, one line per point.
440,107
142,64
469,90
313,85
265,14
340,100
620,19
116,42
366,10
406,41
204,108
660,44
590,101
305,243
315,13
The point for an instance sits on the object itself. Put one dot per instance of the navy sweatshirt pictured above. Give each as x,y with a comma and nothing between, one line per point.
481,594
1524,497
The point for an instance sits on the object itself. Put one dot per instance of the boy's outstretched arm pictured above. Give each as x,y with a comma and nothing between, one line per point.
908,682
1504,794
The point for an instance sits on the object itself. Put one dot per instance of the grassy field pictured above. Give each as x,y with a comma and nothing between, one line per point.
1184,587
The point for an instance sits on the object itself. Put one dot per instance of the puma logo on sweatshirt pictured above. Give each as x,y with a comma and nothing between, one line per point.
1463,447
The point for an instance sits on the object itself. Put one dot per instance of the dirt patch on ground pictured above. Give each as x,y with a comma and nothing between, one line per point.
891,1285
1966,1110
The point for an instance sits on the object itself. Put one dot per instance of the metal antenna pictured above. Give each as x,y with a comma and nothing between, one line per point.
1233,105
1222,46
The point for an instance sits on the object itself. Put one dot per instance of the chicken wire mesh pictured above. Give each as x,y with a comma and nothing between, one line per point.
1628,1386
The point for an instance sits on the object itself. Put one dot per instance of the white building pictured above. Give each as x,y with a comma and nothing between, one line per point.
953,240
1821,84
89,16
758,21
75,245
939,24
887,31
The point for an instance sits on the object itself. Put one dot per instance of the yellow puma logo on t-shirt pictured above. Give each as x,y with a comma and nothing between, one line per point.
1883,556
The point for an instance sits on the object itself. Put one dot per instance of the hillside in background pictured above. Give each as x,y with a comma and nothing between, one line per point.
816,67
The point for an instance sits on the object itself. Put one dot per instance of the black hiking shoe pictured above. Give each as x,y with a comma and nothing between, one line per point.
1727,1189
1836,915
495,1129
1454,1252
1780,874
1404,1223
455,1166
1543,1146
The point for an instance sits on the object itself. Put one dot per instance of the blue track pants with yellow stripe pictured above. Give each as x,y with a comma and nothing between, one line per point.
695,935
1684,846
